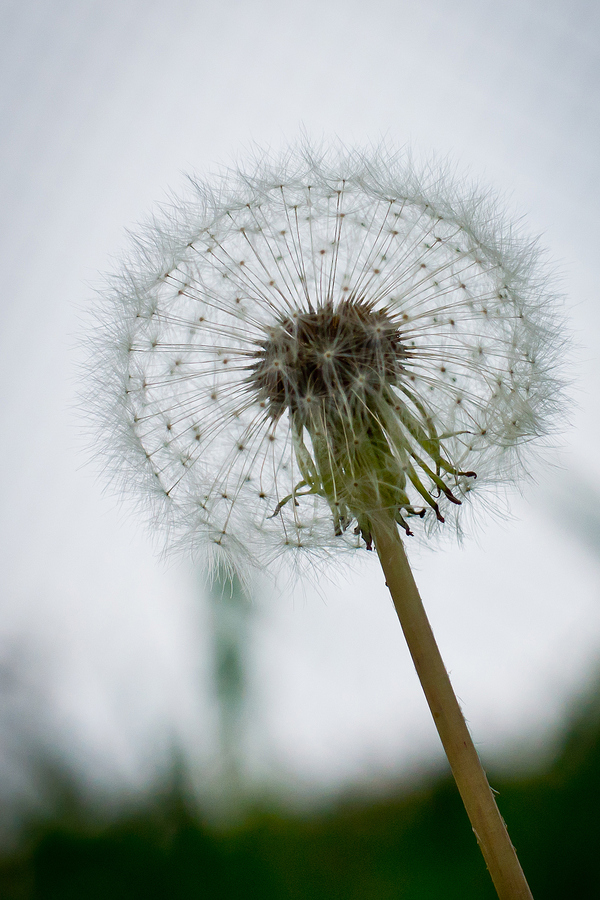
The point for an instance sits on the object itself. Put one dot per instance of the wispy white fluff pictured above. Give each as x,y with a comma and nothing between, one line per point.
176,336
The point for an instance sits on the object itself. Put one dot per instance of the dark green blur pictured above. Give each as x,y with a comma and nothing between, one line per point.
415,846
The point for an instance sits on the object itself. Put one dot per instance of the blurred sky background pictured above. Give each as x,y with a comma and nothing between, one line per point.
106,651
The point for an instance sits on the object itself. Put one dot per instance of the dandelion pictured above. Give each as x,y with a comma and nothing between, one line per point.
321,354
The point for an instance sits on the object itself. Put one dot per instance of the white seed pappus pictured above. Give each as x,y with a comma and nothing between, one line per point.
316,336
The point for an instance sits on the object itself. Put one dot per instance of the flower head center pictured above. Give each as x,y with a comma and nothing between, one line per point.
339,356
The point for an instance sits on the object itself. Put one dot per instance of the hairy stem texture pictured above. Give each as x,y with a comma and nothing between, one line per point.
488,825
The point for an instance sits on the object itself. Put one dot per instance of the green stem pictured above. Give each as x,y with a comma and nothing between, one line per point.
488,825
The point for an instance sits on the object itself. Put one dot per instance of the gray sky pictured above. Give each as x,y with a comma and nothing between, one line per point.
104,106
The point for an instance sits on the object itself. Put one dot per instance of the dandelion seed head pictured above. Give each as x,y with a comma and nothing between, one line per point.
321,336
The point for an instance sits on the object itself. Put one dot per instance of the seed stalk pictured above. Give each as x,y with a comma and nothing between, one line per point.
489,827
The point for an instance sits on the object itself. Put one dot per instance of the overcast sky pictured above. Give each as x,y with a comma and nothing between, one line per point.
104,105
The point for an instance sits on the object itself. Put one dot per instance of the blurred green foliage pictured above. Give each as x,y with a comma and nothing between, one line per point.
230,611
416,846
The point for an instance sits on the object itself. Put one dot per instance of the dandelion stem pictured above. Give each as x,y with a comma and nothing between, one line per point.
488,825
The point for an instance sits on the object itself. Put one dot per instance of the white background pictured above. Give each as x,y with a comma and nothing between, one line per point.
105,650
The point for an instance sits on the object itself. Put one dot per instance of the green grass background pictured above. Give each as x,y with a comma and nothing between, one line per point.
413,846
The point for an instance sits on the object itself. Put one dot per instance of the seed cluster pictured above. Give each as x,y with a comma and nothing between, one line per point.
317,340
334,358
